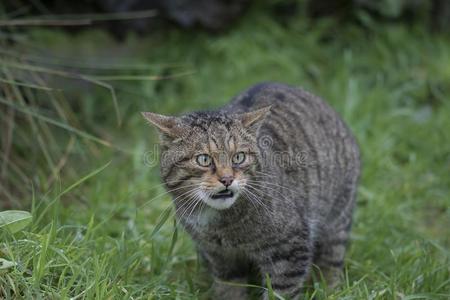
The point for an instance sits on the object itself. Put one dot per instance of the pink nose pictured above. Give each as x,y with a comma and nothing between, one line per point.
227,180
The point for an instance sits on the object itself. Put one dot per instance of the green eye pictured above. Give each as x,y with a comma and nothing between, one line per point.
238,158
204,160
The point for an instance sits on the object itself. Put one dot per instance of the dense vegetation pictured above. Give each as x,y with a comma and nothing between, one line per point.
76,152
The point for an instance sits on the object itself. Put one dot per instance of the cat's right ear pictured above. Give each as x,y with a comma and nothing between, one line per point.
252,120
168,126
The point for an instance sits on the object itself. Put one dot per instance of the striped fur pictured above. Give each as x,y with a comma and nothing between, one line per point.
296,207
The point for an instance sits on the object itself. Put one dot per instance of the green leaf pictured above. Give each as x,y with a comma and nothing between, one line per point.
14,220
6,264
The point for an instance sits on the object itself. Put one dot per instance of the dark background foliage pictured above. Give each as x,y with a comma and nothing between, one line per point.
218,15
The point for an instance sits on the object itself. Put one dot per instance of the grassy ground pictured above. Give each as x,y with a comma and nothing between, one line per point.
109,234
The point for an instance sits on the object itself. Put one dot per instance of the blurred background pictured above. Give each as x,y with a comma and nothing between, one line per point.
75,151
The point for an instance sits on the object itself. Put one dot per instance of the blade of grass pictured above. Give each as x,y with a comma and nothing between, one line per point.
162,220
68,189
24,84
143,77
84,77
270,291
78,19
7,137
58,60
83,179
174,240
83,134
13,92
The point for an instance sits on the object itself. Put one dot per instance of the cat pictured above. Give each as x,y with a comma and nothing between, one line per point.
266,182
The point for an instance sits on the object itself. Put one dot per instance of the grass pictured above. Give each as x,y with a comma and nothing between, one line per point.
102,229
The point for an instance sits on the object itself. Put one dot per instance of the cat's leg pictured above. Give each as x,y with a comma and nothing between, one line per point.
287,266
329,256
226,291
229,272
330,250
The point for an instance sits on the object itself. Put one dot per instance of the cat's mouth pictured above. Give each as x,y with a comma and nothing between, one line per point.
222,199
223,194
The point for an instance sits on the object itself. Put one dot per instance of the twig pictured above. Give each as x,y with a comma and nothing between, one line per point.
78,20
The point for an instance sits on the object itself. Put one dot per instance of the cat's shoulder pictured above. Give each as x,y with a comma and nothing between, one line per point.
268,93
269,87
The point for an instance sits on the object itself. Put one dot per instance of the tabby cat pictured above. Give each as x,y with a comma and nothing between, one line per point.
265,183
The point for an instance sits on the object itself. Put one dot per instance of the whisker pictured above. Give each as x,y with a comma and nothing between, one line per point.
271,184
157,185
190,196
257,200
266,174
167,192
264,185
250,197
189,204
202,204
179,196
193,209
260,189
195,200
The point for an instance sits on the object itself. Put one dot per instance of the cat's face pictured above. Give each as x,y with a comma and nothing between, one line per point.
208,157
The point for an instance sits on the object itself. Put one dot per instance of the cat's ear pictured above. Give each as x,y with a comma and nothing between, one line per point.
252,120
169,126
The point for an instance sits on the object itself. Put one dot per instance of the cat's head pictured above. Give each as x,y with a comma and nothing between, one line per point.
208,156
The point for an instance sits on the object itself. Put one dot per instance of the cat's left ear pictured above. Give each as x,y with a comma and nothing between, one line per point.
252,120
168,126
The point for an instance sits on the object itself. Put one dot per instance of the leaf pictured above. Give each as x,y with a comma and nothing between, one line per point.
14,220
6,264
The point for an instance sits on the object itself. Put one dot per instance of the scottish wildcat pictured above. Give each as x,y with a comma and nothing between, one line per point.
267,181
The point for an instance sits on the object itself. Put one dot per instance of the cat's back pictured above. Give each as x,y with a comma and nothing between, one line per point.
307,144
294,111
290,107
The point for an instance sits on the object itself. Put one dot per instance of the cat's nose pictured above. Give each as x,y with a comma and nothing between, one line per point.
226,180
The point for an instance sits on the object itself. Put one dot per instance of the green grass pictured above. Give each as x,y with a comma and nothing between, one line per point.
110,236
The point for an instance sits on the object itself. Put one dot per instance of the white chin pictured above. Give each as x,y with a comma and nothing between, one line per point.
220,204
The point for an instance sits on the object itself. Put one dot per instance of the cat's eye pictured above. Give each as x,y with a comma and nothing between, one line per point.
238,158
204,160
